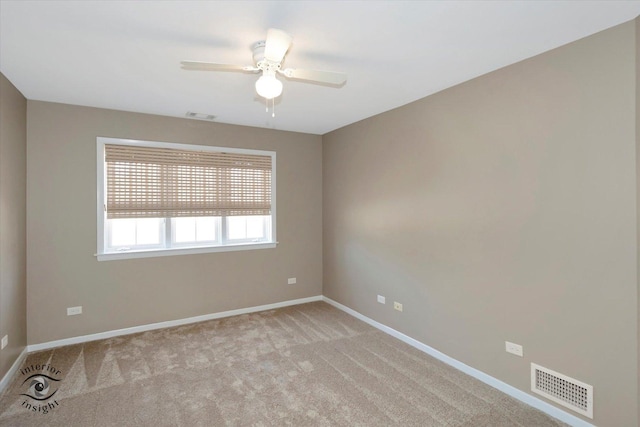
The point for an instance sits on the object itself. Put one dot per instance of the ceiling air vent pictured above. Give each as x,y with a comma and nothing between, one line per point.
562,390
200,116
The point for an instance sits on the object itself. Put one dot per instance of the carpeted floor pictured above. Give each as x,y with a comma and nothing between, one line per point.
306,365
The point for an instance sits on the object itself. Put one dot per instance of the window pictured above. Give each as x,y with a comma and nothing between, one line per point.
158,198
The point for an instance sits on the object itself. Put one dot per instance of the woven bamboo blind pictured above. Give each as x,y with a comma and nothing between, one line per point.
149,182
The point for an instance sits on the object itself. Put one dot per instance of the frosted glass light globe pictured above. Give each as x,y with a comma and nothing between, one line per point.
268,86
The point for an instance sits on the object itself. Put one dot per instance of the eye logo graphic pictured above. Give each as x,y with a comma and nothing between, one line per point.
39,387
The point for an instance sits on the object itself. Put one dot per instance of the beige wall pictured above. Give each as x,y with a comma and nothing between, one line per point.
13,173
637,54
61,228
502,209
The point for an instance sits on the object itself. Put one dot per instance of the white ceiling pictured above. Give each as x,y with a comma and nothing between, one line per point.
126,55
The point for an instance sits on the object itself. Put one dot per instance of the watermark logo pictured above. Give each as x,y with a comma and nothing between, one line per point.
40,384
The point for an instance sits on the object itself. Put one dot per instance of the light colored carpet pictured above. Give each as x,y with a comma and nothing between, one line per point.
306,365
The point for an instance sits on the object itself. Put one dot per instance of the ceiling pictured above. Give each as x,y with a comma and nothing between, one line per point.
126,55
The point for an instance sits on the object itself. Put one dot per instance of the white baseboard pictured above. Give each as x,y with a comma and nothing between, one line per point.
487,379
167,324
4,382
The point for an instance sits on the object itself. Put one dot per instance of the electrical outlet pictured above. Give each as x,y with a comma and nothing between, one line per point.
513,348
397,306
5,342
72,311
291,281
381,299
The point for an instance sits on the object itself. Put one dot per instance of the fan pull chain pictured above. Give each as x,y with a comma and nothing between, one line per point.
273,106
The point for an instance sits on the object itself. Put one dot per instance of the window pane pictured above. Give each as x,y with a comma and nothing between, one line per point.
236,227
184,230
148,231
250,227
255,227
123,232
206,228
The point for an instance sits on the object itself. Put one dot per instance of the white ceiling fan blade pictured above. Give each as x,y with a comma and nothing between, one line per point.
330,77
277,44
212,66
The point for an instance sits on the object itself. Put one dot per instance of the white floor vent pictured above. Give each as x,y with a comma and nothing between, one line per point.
563,390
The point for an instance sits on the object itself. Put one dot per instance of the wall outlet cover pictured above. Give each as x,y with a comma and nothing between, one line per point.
291,281
397,306
513,348
72,311
5,341
381,299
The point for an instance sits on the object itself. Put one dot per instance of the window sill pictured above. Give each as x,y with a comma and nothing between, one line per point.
182,251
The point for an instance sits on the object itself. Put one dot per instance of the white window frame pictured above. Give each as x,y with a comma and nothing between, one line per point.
223,246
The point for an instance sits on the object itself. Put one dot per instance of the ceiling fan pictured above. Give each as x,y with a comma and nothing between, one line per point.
268,57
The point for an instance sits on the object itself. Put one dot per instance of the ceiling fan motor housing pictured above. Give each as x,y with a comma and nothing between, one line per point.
261,62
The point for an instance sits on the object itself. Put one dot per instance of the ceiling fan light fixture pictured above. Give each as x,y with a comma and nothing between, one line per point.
268,56
268,86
